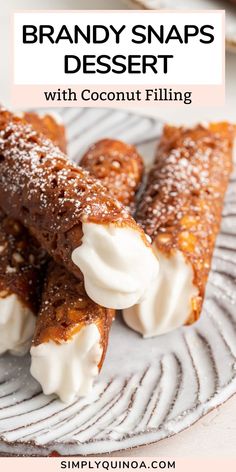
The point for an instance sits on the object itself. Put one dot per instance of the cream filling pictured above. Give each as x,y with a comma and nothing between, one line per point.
117,265
68,369
167,304
17,324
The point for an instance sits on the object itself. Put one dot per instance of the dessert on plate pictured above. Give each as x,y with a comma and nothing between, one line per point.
22,264
73,217
71,253
71,336
180,210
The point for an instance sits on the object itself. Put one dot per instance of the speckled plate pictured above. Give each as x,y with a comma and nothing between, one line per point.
148,389
230,10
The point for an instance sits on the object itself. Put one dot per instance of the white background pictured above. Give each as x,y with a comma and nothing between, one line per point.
215,434
44,63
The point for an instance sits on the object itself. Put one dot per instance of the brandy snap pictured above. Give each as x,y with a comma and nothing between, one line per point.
50,126
118,166
72,331
181,212
73,217
22,264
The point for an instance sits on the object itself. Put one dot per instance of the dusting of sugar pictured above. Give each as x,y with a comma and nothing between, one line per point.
183,175
10,270
35,168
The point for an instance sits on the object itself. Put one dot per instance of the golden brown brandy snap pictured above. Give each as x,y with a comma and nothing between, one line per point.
67,314
20,260
50,126
181,211
117,165
22,267
73,216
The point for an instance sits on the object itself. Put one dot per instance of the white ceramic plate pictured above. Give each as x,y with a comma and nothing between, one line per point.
230,10
148,389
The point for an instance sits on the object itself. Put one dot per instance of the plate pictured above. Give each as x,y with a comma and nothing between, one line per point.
230,10
148,389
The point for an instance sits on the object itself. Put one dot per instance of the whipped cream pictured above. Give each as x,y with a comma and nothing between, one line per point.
17,323
117,265
69,368
167,304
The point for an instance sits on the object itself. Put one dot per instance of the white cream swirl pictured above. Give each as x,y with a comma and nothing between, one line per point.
69,368
17,323
117,265
167,304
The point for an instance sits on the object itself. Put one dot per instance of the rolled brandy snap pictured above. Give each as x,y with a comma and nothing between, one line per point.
22,264
21,273
117,165
71,336
72,331
73,217
50,126
181,212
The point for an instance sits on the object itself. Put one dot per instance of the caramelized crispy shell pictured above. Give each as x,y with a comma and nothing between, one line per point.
50,195
22,263
182,204
117,165
66,308
48,126
22,260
